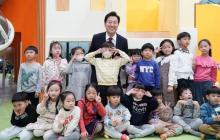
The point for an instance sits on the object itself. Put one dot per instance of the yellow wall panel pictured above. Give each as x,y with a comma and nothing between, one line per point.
97,5
207,22
142,15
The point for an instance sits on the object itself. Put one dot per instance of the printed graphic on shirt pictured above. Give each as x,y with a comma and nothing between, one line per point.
139,108
29,78
146,69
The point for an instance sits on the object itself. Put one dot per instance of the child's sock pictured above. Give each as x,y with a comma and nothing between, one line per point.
106,136
98,128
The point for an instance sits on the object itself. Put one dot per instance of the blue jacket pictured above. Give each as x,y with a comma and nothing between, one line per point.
148,73
208,112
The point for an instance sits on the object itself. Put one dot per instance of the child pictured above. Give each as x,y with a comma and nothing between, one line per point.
167,66
66,122
47,110
161,118
140,103
117,119
91,107
205,71
186,113
29,77
147,71
80,73
23,114
210,113
131,67
184,71
54,67
107,68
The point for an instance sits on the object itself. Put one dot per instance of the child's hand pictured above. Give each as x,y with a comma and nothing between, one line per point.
36,95
114,122
84,135
73,58
157,49
114,50
196,104
130,77
182,102
217,118
170,89
147,93
100,50
61,119
98,98
131,91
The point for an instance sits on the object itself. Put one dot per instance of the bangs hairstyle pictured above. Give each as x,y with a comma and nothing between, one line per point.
93,85
209,43
77,48
114,91
64,94
32,48
182,35
107,45
160,53
138,86
53,43
18,97
147,46
112,14
134,52
156,92
180,91
213,90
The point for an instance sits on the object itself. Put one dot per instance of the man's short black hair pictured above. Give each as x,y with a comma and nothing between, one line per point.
107,45
33,48
213,90
182,35
20,96
112,14
114,91
147,46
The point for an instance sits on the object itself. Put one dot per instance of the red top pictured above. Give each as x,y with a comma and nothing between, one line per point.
89,111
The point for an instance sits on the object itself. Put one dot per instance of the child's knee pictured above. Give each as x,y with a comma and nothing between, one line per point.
179,130
176,118
4,136
26,135
38,133
99,127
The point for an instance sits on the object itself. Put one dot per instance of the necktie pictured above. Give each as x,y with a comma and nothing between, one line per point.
110,40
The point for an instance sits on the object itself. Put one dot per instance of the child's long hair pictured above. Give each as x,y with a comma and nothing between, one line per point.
160,53
53,43
53,82
208,42
93,85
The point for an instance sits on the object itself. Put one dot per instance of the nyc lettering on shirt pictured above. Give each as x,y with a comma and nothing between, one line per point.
147,69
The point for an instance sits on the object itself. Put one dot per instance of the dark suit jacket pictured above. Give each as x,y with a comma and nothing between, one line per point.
98,40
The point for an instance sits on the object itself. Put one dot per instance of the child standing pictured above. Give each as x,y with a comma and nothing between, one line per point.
147,71
23,114
205,71
210,113
187,112
47,110
107,68
91,107
184,71
80,73
167,65
66,122
29,77
130,68
54,67
140,103
161,118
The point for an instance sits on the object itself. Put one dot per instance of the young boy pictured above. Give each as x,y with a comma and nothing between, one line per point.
210,113
29,77
130,68
23,114
161,118
107,68
147,71
184,71
140,103
117,119
187,112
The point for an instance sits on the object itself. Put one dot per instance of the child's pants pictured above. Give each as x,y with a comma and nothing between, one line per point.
210,130
146,130
14,131
187,123
51,135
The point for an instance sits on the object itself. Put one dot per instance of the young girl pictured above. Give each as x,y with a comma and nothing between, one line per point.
167,64
66,122
205,71
80,73
54,67
47,110
131,67
91,107
161,118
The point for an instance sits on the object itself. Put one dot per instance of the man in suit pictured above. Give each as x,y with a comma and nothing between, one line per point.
111,21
